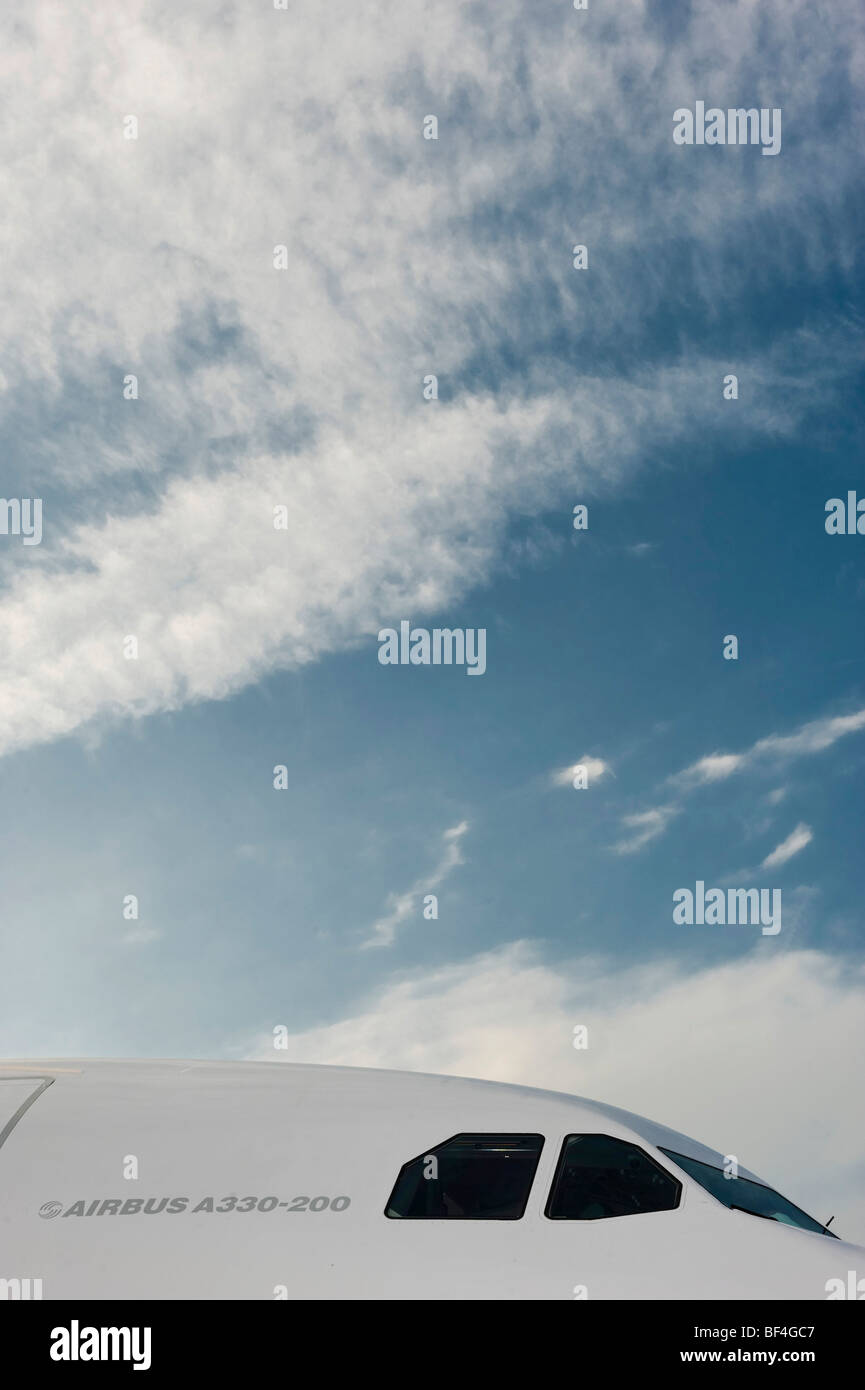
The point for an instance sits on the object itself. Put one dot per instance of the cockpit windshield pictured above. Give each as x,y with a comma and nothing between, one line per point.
742,1194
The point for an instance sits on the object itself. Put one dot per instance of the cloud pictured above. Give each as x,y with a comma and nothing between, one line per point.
697,1050
405,905
648,826
302,387
141,936
813,737
794,842
713,768
595,769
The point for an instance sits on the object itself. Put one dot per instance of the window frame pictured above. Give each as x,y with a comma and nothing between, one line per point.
602,1134
470,1134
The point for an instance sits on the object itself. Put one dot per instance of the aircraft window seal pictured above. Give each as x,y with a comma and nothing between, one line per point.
599,1177
469,1177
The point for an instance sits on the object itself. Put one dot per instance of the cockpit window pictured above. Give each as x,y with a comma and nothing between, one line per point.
472,1177
599,1176
742,1194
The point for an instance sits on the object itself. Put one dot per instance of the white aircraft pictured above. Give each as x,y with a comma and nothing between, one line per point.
247,1180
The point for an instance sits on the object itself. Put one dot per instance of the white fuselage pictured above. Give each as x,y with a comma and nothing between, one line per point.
262,1180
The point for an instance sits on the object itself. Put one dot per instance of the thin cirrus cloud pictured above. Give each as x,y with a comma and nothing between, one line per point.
404,906
813,737
302,388
794,843
644,826
594,768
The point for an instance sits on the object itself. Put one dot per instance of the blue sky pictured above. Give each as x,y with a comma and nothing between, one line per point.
303,908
